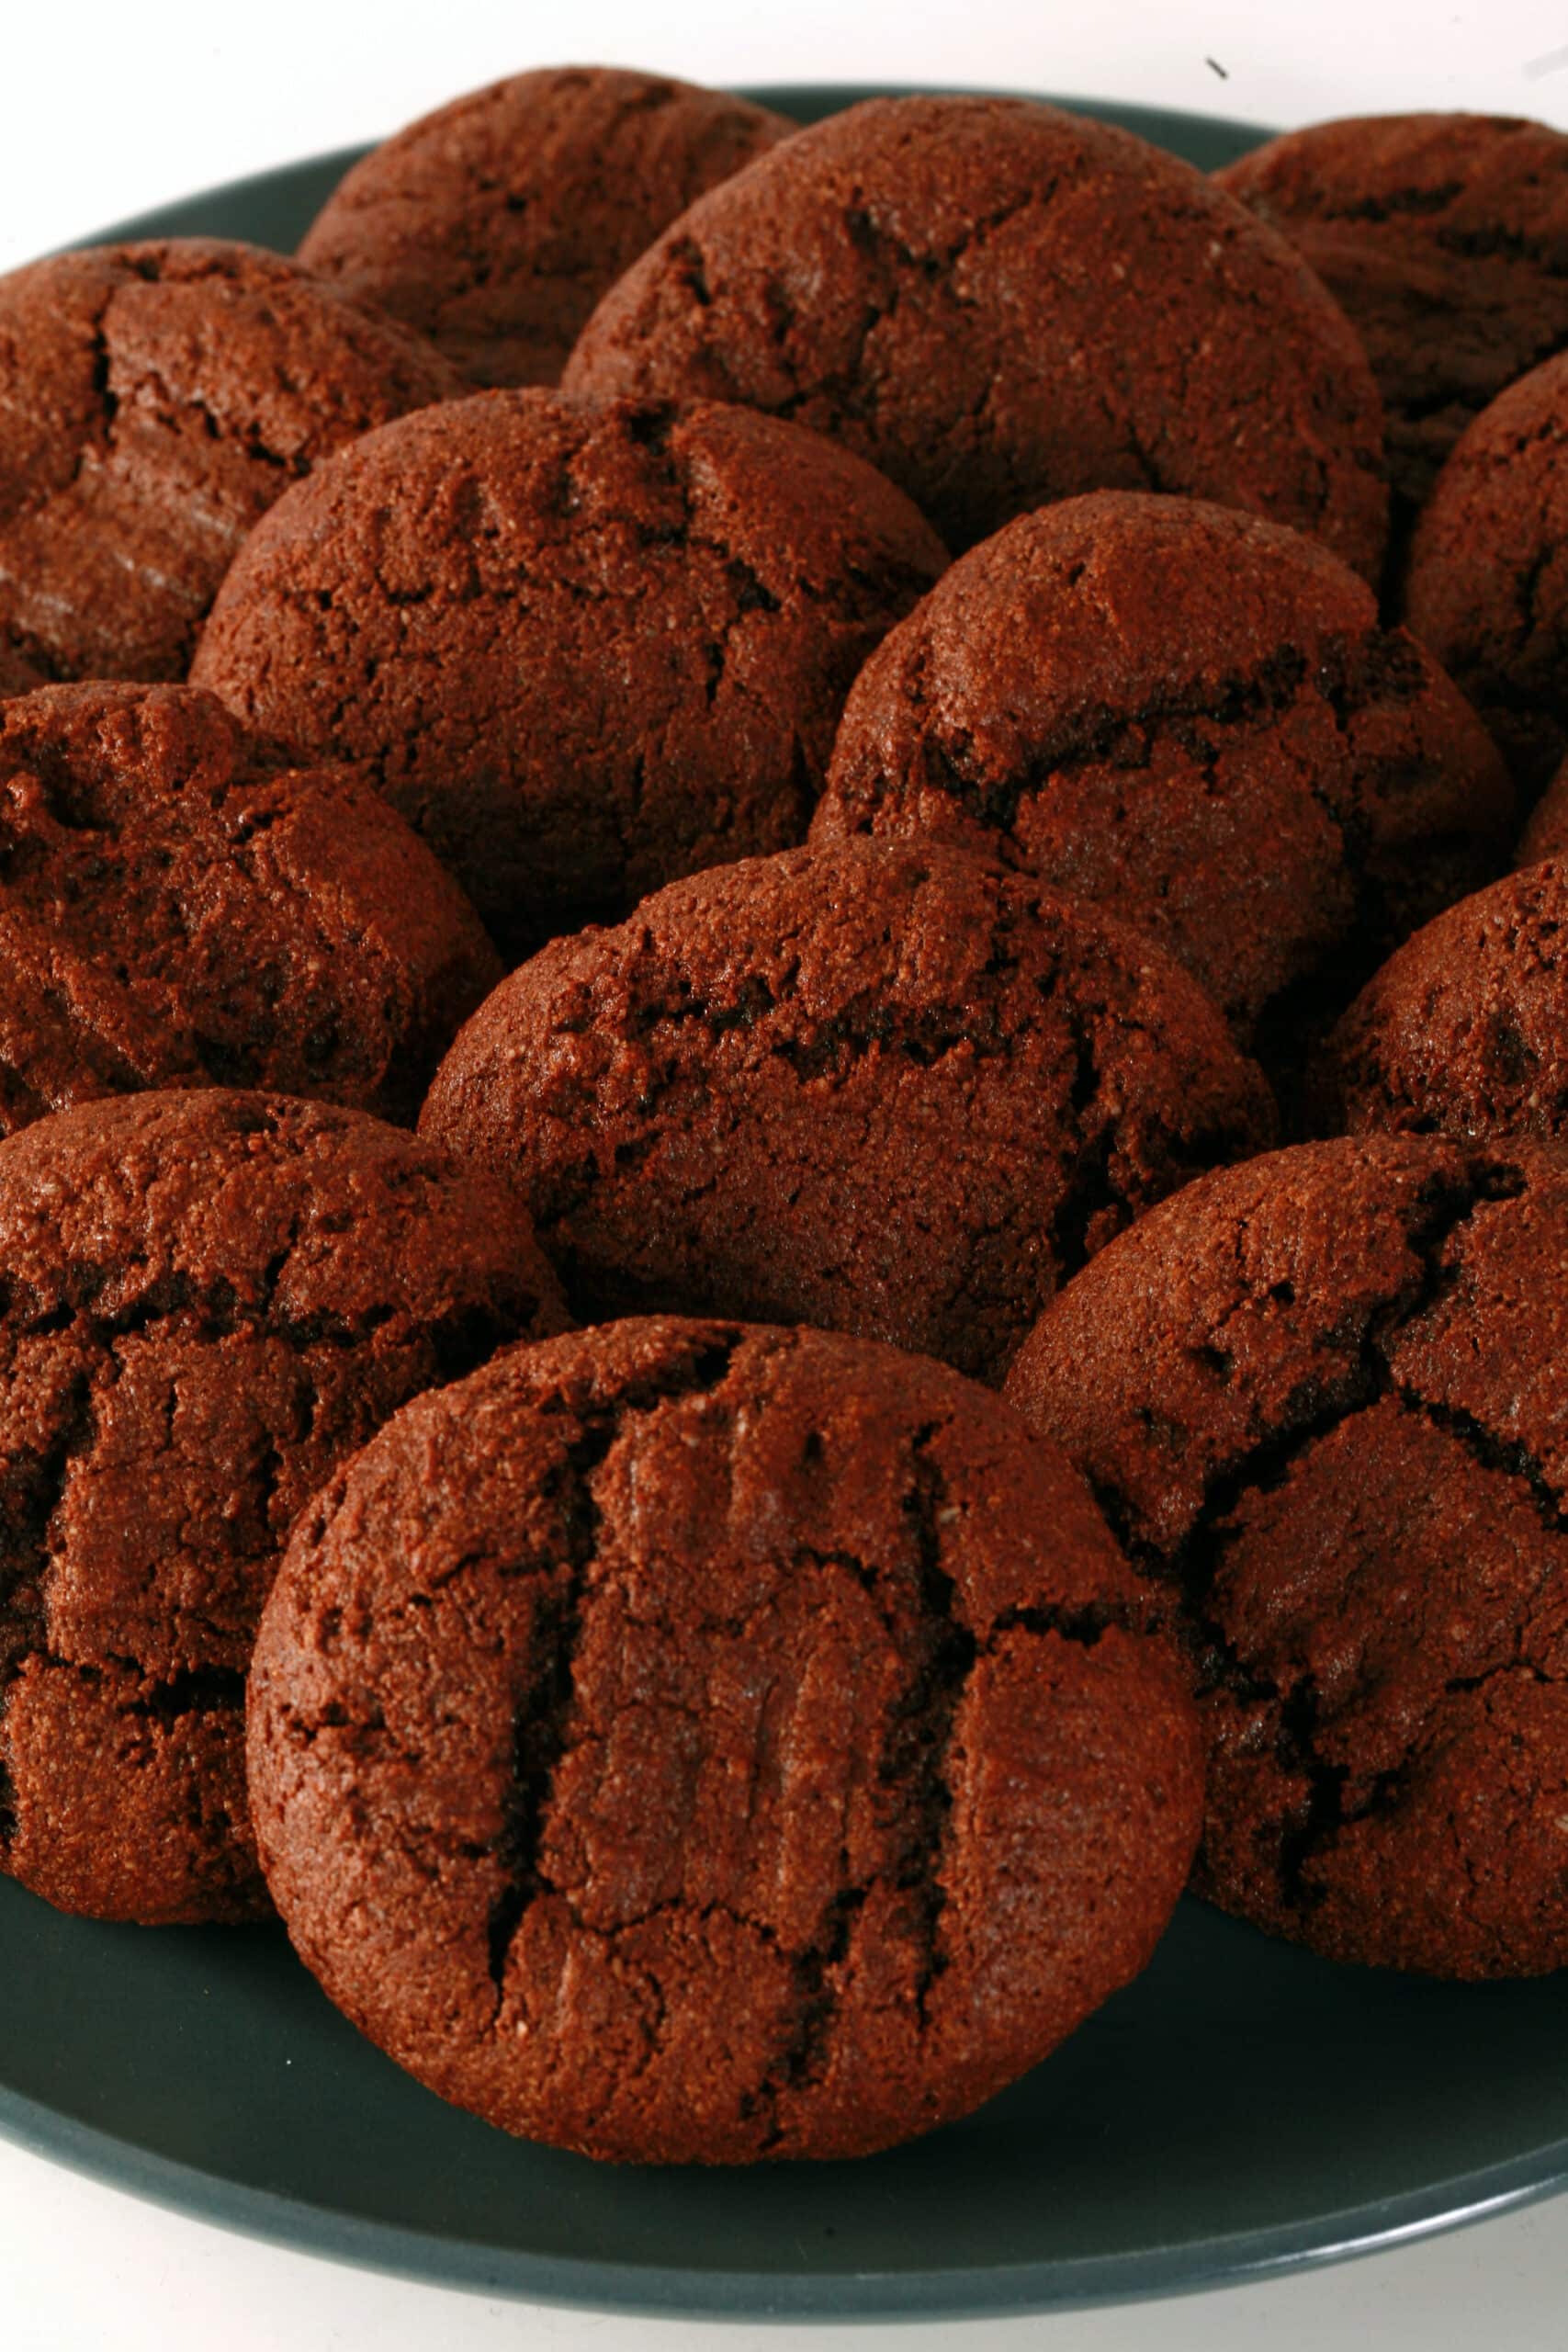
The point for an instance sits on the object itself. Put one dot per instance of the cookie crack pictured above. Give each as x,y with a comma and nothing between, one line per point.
30,1502
1189,1571
542,1718
1348,676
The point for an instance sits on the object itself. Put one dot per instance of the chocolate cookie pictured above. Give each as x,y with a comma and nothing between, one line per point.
688,1742
211,1299
1195,717
494,225
154,400
1487,584
1000,304
889,1090
1547,832
584,650
178,907
1322,1398
1444,238
1465,1030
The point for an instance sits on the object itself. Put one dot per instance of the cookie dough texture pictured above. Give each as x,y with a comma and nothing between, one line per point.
1320,1398
211,1299
1465,1029
887,1089
1195,717
1487,584
493,225
154,400
582,649
1444,238
180,907
1001,304
688,1742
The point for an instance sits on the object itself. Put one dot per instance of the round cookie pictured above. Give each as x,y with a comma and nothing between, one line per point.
1194,717
1001,304
1320,1397
154,400
888,1091
584,650
179,907
1444,238
687,1742
493,225
211,1300
1487,583
1464,1031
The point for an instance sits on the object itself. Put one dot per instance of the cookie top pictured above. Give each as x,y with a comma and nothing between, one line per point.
211,1299
155,399
688,1742
1444,238
1321,1396
1465,1030
888,1090
1001,304
179,907
1194,717
1487,583
584,650
493,225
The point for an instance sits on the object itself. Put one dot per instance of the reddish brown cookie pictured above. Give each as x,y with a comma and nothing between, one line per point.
1195,717
1321,1397
584,650
1547,832
178,907
1444,238
888,1090
1464,1031
1001,304
1487,584
688,1742
493,225
154,400
209,1301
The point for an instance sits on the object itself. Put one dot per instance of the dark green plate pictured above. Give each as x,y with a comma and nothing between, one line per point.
1242,2108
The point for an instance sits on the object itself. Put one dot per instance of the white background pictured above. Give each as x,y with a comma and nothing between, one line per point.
111,110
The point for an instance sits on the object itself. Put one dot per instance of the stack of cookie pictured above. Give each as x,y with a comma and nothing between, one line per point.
782,1185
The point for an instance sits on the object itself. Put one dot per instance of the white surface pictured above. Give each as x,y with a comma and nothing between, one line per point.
111,110
114,108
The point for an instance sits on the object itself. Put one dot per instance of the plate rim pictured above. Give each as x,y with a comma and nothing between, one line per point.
667,2291
659,2290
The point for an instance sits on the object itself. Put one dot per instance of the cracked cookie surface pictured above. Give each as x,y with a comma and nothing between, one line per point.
180,907
1487,583
687,1741
154,400
1320,1398
1001,304
1444,238
1464,1031
493,225
582,649
886,1089
207,1301
1194,718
